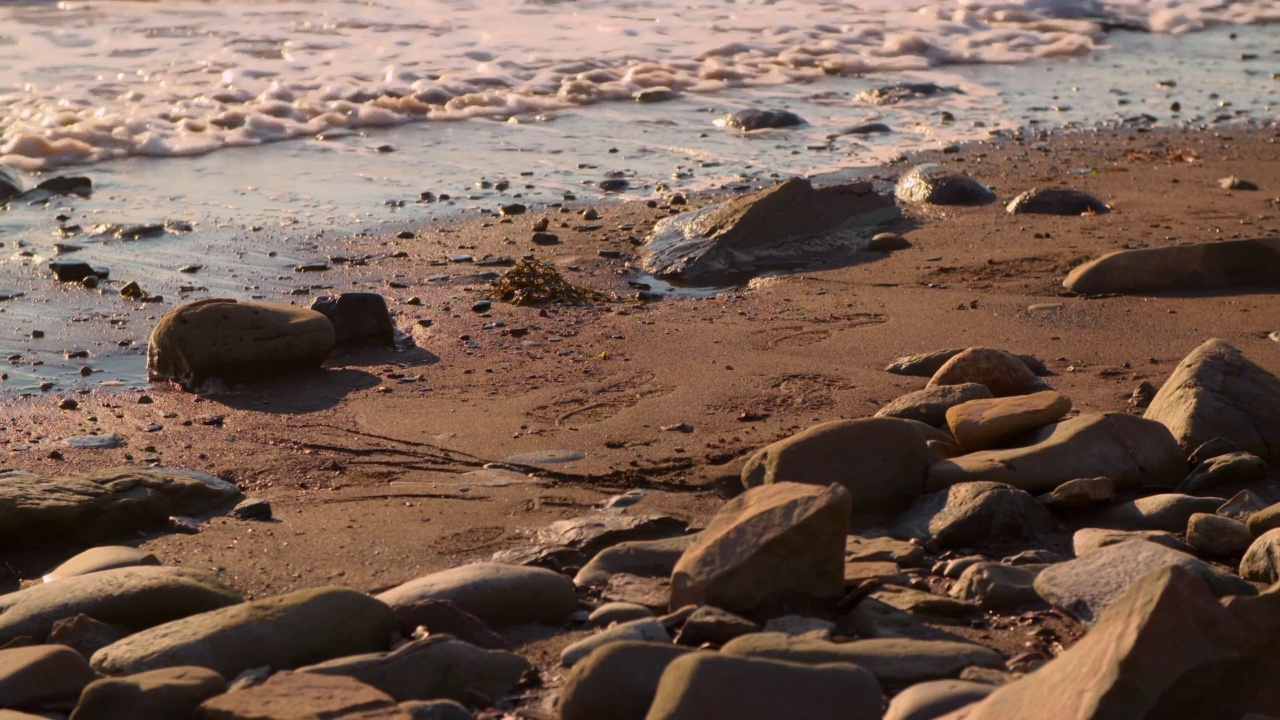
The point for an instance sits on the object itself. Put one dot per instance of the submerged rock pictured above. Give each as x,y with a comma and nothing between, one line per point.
769,228
1056,201
931,184
756,119
1203,266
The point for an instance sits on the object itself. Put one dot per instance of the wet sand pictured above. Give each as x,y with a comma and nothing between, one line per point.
363,461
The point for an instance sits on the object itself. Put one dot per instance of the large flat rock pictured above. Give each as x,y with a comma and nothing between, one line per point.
1203,266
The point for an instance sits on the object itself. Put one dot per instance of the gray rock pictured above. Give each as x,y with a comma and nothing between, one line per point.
930,700
646,629
1086,586
1217,392
1217,536
1261,562
1167,511
500,595
707,686
1131,451
880,461
436,667
135,597
1056,201
993,586
294,695
896,662
930,405
710,624
357,318
106,557
173,692
110,441
931,184
236,341
618,681
1228,469
39,675
1241,506
1086,540
1204,266
645,558
791,221
282,632
104,502
975,514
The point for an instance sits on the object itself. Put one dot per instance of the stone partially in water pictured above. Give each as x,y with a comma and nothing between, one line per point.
932,184
10,183
1056,201
898,92
754,119
772,227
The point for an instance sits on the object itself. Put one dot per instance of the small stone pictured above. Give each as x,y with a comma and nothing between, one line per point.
1056,201
68,404
887,242
545,238
648,629
1080,493
252,509
512,209
755,119
1218,537
1234,183
132,291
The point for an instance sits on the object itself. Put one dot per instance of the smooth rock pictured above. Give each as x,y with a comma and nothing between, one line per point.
109,441
1003,373
896,662
618,612
357,318
1086,586
929,700
1167,511
592,533
645,558
993,586
1228,469
930,405
103,503
707,686
1086,540
1203,266
975,514
283,632
1218,537
435,667
1130,450
39,675
645,629
791,222
500,595
710,624
618,681
236,341
880,461
926,364
1261,561
756,119
931,184
436,710
303,696
887,243
920,603
985,424
1056,201
443,617
1217,392
771,541
1080,493
169,693
106,557
135,597
883,548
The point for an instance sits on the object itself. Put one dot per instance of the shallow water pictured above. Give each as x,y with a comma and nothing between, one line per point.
538,95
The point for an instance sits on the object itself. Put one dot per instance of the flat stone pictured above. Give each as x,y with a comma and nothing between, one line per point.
710,624
928,363
617,612
801,626
882,548
645,629
1001,372
1056,201
109,441
106,557
929,700
442,617
1222,266
1166,511
1218,537
975,514
39,675
593,533
1086,540
647,558
872,618
173,692
617,681
932,184
1080,493
857,573
1233,468
930,405
988,423
293,696
650,592
918,602
283,632
993,586
500,595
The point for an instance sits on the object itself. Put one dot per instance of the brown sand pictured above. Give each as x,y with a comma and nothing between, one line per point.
354,461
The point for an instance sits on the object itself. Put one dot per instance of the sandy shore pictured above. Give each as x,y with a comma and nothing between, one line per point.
362,460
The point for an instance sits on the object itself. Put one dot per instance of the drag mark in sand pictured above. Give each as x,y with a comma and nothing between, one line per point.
796,335
600,402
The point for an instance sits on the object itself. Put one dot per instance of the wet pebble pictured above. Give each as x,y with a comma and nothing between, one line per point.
755,119
1056,201
613,184
481,306
545,238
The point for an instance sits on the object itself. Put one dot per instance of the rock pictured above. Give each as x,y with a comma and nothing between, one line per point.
106,557
931,184
710,624
993,586
1003,373
109,441
870,548
103,503
235,341
1242,506
617,612
443,617
707,686
1264,520
646,558
651,592
135,597
40,675
75,270
886,243
1229,469
871,618
1234,183
357,318
1086,586
618,681
432,668
11,183
252,509
576,540
920,603
1217,536
298,696
1130,450
283,632
1086,540
500,595
975,514
173,692
898,92
858,573
1167,511
896,662
755,119
84,634
929,700
1203,266
930,405
436,710
985,424
926,364
1216,391
1210,449
789,222
771,541
880,461
1261,561
67,185
1080,493
801,626
646,629
1056,201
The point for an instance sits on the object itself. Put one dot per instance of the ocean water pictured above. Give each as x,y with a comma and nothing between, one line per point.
253,128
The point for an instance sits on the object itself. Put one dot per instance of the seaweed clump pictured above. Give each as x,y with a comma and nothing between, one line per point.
534,282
